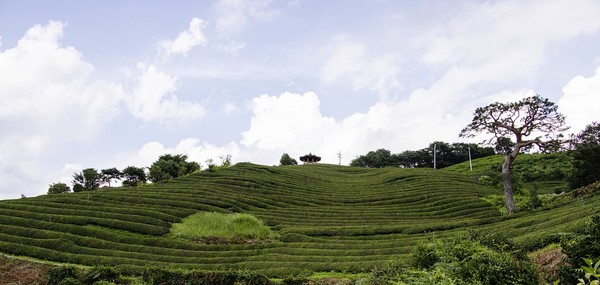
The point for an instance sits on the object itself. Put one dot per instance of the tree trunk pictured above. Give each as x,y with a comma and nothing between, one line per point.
507,182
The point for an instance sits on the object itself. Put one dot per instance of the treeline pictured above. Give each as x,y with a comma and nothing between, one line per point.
167,166
445,155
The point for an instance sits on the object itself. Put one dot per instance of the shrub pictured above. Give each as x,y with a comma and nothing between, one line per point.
424,255
100,273
534,200
69,281
57,275
470,261
579,247
158,276
293,280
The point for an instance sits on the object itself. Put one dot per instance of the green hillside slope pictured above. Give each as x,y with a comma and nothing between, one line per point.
546,172
327,218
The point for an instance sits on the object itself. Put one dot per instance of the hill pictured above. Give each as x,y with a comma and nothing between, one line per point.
546,171
327,218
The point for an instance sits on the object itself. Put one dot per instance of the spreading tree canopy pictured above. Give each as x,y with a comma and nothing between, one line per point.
58,188
171,166
532,121
133,176
110,174
87,180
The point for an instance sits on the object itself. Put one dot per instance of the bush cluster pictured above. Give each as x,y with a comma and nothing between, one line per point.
475,259
577,247
64,275
156,276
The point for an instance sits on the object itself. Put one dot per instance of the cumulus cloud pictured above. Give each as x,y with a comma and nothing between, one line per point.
192,147
48,97
348,62
47,93
293,123
233,16
186,40
580,102
153,98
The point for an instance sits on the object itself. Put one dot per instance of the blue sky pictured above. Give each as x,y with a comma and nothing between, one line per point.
117,83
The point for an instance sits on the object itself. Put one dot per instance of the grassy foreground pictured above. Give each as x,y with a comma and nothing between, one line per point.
328,218
222,228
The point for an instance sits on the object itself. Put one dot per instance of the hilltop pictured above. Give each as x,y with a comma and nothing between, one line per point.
326,218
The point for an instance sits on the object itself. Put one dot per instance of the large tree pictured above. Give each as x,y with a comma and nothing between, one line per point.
110,174
532,121
86,180
375,159
586,156
171,166
134,176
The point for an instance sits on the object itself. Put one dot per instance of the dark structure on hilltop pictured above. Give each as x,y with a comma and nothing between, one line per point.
310,158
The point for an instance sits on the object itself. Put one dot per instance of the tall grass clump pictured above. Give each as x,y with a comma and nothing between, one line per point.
218,227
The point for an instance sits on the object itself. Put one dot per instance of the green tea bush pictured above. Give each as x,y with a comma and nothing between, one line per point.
100,273
295,280
158,276
57,275
424,255
468,261
579,247
70,281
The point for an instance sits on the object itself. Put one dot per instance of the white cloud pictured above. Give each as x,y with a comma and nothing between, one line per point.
192,147
47,94
233,16
349,63
581,101
186,40
279,120
508,39
153,98
230,108
21,177
232,48
293,123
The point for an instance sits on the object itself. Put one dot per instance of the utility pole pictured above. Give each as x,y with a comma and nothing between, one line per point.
340,157
470,163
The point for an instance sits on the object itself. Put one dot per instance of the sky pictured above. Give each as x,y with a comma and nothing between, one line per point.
111,83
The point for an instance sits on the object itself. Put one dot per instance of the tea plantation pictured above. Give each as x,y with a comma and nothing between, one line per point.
326,217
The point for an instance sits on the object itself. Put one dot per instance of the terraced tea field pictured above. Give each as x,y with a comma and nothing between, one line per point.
329,218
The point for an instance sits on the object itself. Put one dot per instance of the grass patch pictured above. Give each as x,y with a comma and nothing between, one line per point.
222,228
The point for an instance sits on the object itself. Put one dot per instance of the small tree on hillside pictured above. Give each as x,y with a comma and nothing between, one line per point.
286,159
532,116
375,159
134,176
110,174
171,166
226,160
86,180
58,188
